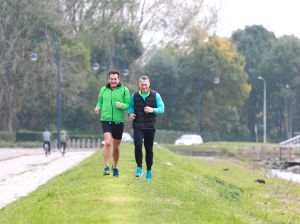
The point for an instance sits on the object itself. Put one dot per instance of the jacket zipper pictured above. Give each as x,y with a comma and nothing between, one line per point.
112,110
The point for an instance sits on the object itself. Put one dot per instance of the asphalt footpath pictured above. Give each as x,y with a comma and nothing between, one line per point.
24,170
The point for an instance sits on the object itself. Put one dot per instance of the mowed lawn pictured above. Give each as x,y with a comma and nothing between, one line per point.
183,190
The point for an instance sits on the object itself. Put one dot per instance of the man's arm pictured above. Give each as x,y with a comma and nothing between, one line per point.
126,99
160,105
131,114
99,102
131,105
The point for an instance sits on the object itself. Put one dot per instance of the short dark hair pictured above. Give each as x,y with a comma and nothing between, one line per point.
144,77
113,72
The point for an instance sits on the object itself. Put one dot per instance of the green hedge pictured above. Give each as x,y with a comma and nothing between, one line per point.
9,144
7,136
27,135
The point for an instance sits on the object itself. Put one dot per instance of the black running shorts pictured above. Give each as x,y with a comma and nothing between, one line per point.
115,128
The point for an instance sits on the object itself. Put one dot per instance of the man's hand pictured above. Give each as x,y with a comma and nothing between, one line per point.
119,105
148,109
97,110
131,116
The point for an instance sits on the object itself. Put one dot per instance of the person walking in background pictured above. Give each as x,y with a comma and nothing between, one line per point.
145,105
63,137
113,100
63,140
47,139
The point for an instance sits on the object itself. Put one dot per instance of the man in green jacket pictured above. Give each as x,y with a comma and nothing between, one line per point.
113,100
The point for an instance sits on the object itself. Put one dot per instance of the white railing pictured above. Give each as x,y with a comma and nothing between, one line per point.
85,143
288,148
291,143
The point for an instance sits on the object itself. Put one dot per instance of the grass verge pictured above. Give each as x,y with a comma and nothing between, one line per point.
184,190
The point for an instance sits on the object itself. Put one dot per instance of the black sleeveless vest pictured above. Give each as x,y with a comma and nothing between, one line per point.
144,120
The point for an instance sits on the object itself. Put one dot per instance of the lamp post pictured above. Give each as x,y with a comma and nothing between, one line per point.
34,57
125,71
216,81
198,128
114,61
265,108
95,66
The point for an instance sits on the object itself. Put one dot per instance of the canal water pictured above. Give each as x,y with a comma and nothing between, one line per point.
286,175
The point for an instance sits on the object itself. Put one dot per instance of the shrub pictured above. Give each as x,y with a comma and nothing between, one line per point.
27,135
10,144
8,136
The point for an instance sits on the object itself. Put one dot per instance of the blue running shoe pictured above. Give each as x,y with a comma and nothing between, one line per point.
148,175
106,171
115,172
139,172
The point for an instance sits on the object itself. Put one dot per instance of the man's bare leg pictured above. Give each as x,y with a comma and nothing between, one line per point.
116,151
108,140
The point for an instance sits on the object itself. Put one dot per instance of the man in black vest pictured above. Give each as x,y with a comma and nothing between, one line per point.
145,105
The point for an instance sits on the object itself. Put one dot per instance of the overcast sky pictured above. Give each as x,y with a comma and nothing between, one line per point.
279,16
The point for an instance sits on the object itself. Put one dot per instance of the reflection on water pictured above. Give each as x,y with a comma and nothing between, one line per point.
286,175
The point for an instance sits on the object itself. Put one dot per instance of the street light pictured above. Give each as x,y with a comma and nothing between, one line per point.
115,59
95,66
265,108
125,71
34,57
217,80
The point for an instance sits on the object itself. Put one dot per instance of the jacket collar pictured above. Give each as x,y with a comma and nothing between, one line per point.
148,93
108,85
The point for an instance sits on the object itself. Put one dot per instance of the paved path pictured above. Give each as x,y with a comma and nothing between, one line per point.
24,170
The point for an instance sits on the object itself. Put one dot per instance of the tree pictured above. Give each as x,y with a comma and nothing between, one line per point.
86,28
177,74
17,25
281,69
217,57
253,43
163,72
162,22
23,24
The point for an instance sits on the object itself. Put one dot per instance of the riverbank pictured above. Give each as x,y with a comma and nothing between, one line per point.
258,155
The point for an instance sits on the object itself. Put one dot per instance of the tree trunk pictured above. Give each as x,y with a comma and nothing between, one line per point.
8,112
